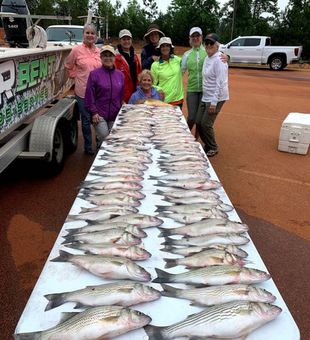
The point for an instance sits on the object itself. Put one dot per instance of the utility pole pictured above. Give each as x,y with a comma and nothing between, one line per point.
233,19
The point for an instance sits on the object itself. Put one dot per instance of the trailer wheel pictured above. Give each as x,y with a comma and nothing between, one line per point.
57,161
72,135
276,63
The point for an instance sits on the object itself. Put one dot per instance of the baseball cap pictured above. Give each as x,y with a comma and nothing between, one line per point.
195,30
164,40
124,33
212,37
107,48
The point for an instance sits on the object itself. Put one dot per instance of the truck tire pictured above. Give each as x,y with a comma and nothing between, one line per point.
276,63
57,161
72,135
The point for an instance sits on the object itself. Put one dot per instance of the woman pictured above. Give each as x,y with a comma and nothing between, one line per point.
104,93
214,93
167,73
145,90
192,61
80,62
128,63
150,53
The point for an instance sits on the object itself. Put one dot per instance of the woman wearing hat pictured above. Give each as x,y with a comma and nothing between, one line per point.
80,62
214,93
128,63
104,93
150,53
167,73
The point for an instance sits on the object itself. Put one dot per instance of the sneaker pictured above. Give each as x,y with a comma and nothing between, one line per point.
211,153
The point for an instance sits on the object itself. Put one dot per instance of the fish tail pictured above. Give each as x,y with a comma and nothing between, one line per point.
170,291
54,300
168,241
152,177
72,231
63,257
160,184
160,208
167,248
170,263
154,332
68,239
162,276
28,336
164,232
74,245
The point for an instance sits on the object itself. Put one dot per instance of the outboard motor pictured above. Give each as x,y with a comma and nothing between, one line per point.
15,28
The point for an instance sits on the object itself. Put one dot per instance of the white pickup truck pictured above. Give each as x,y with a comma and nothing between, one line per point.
258,50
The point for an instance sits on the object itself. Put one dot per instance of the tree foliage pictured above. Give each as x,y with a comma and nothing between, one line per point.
234,18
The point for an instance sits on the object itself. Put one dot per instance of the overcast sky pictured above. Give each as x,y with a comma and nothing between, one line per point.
163,4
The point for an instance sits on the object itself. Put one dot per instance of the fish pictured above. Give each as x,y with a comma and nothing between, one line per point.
129,228
125,293
109,179
126,165
141,220
188,251
93,323
101,214
113,199
206,258
214,295
206,227
107,267
195,216
186,193
107,249
115,236
98,192
207,240
97,184
197,207
185,184
181,176
214,275
230,320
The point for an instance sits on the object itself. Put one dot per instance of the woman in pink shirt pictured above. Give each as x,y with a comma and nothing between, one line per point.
80,62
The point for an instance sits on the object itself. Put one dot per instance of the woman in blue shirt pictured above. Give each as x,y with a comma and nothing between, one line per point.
145,90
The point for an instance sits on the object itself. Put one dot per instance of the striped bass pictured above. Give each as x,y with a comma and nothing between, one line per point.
214,275
98,184
129,228
230,320
141,220
207,240
184,184
215,295
188,251
186,193
206,258
115,236
117,293
116,199
206,227
93,323
195,216
197,207
107,267
98,192
177,176
107,249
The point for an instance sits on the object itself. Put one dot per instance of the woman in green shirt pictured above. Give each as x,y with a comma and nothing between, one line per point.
167,73
192,62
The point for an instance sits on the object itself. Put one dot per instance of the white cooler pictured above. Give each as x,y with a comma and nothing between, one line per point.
295,133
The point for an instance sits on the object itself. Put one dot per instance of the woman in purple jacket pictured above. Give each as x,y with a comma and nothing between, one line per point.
104,93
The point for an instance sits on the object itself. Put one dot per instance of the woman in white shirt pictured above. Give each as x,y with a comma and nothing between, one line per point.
214,93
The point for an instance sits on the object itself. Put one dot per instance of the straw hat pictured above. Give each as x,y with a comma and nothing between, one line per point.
153,28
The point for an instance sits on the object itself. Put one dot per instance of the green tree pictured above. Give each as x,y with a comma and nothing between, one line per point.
151,9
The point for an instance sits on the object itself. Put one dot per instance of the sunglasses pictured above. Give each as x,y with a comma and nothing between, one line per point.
209,42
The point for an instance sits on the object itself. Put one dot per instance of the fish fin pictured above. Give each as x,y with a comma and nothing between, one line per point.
160,208
154,332
164,232
63,257
74,245
90,222
167,248
168,241
152,177
162,276
54,300
160,184
170,263
28,336
169,290
159,192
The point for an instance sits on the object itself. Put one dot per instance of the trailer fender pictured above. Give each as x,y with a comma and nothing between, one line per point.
44,127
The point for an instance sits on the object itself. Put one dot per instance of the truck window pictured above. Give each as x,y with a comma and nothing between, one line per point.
268,42
63,34
238,42
252,42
